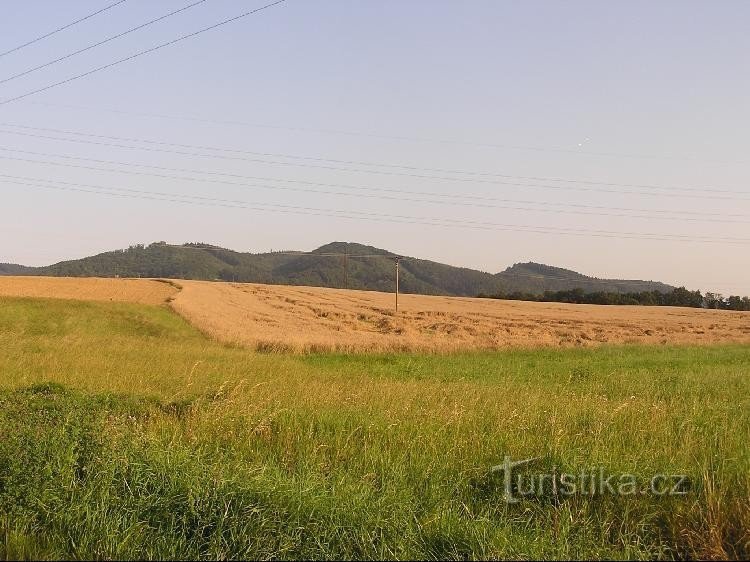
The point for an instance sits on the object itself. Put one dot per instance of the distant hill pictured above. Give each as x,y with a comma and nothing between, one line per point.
204,261
537,278
13,269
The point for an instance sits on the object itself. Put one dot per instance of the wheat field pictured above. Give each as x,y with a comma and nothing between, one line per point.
138,291
303,319
286,318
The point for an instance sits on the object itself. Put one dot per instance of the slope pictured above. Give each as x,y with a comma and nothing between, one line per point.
321,268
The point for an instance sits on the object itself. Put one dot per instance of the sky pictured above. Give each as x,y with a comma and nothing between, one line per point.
606,137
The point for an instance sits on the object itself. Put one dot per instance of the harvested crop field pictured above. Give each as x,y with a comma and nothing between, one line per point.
285,318
139,291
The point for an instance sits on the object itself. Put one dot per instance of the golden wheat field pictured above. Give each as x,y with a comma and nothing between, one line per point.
141,291
299,319
285,318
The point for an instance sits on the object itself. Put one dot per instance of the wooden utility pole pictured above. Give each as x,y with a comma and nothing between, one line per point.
397,268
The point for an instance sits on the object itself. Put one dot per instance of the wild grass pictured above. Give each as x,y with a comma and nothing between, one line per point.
125,433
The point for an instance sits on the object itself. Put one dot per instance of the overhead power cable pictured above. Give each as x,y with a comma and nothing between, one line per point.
379,172
409,168
59,29
380,217
140,53
721,218
403,138
104,41
458,197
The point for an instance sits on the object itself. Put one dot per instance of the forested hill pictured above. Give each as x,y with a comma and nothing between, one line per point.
203,261
538,278
13,269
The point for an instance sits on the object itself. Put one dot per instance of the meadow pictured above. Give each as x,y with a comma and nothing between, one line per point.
127,433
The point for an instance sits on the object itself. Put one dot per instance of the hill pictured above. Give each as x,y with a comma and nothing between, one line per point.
537,278
13,269
326,267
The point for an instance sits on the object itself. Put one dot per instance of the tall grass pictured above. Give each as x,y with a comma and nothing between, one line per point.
124,433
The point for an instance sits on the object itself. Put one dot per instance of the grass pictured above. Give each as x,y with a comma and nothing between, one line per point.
125,433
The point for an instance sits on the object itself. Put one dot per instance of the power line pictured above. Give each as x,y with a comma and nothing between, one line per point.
409,168
463,196
380,217
379,172
107,40
483,204
18,48
459,198
141,53
404,138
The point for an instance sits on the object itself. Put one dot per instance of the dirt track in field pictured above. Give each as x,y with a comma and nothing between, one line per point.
141,291
284,318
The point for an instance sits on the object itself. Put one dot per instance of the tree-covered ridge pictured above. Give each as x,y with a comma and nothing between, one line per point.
12,269
676,297
319,268
537,278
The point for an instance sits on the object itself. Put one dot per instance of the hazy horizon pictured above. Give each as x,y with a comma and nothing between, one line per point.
563,118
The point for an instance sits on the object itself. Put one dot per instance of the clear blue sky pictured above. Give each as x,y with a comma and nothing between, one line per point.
638,92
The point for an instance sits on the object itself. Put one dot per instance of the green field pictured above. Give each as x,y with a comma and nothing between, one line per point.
124,433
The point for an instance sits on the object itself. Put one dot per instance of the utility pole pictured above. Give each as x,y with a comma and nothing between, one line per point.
346,270
397,273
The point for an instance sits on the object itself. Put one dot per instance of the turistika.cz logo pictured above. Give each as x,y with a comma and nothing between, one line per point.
520,484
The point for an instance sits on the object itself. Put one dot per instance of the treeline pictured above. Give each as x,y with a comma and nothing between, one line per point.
677,297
